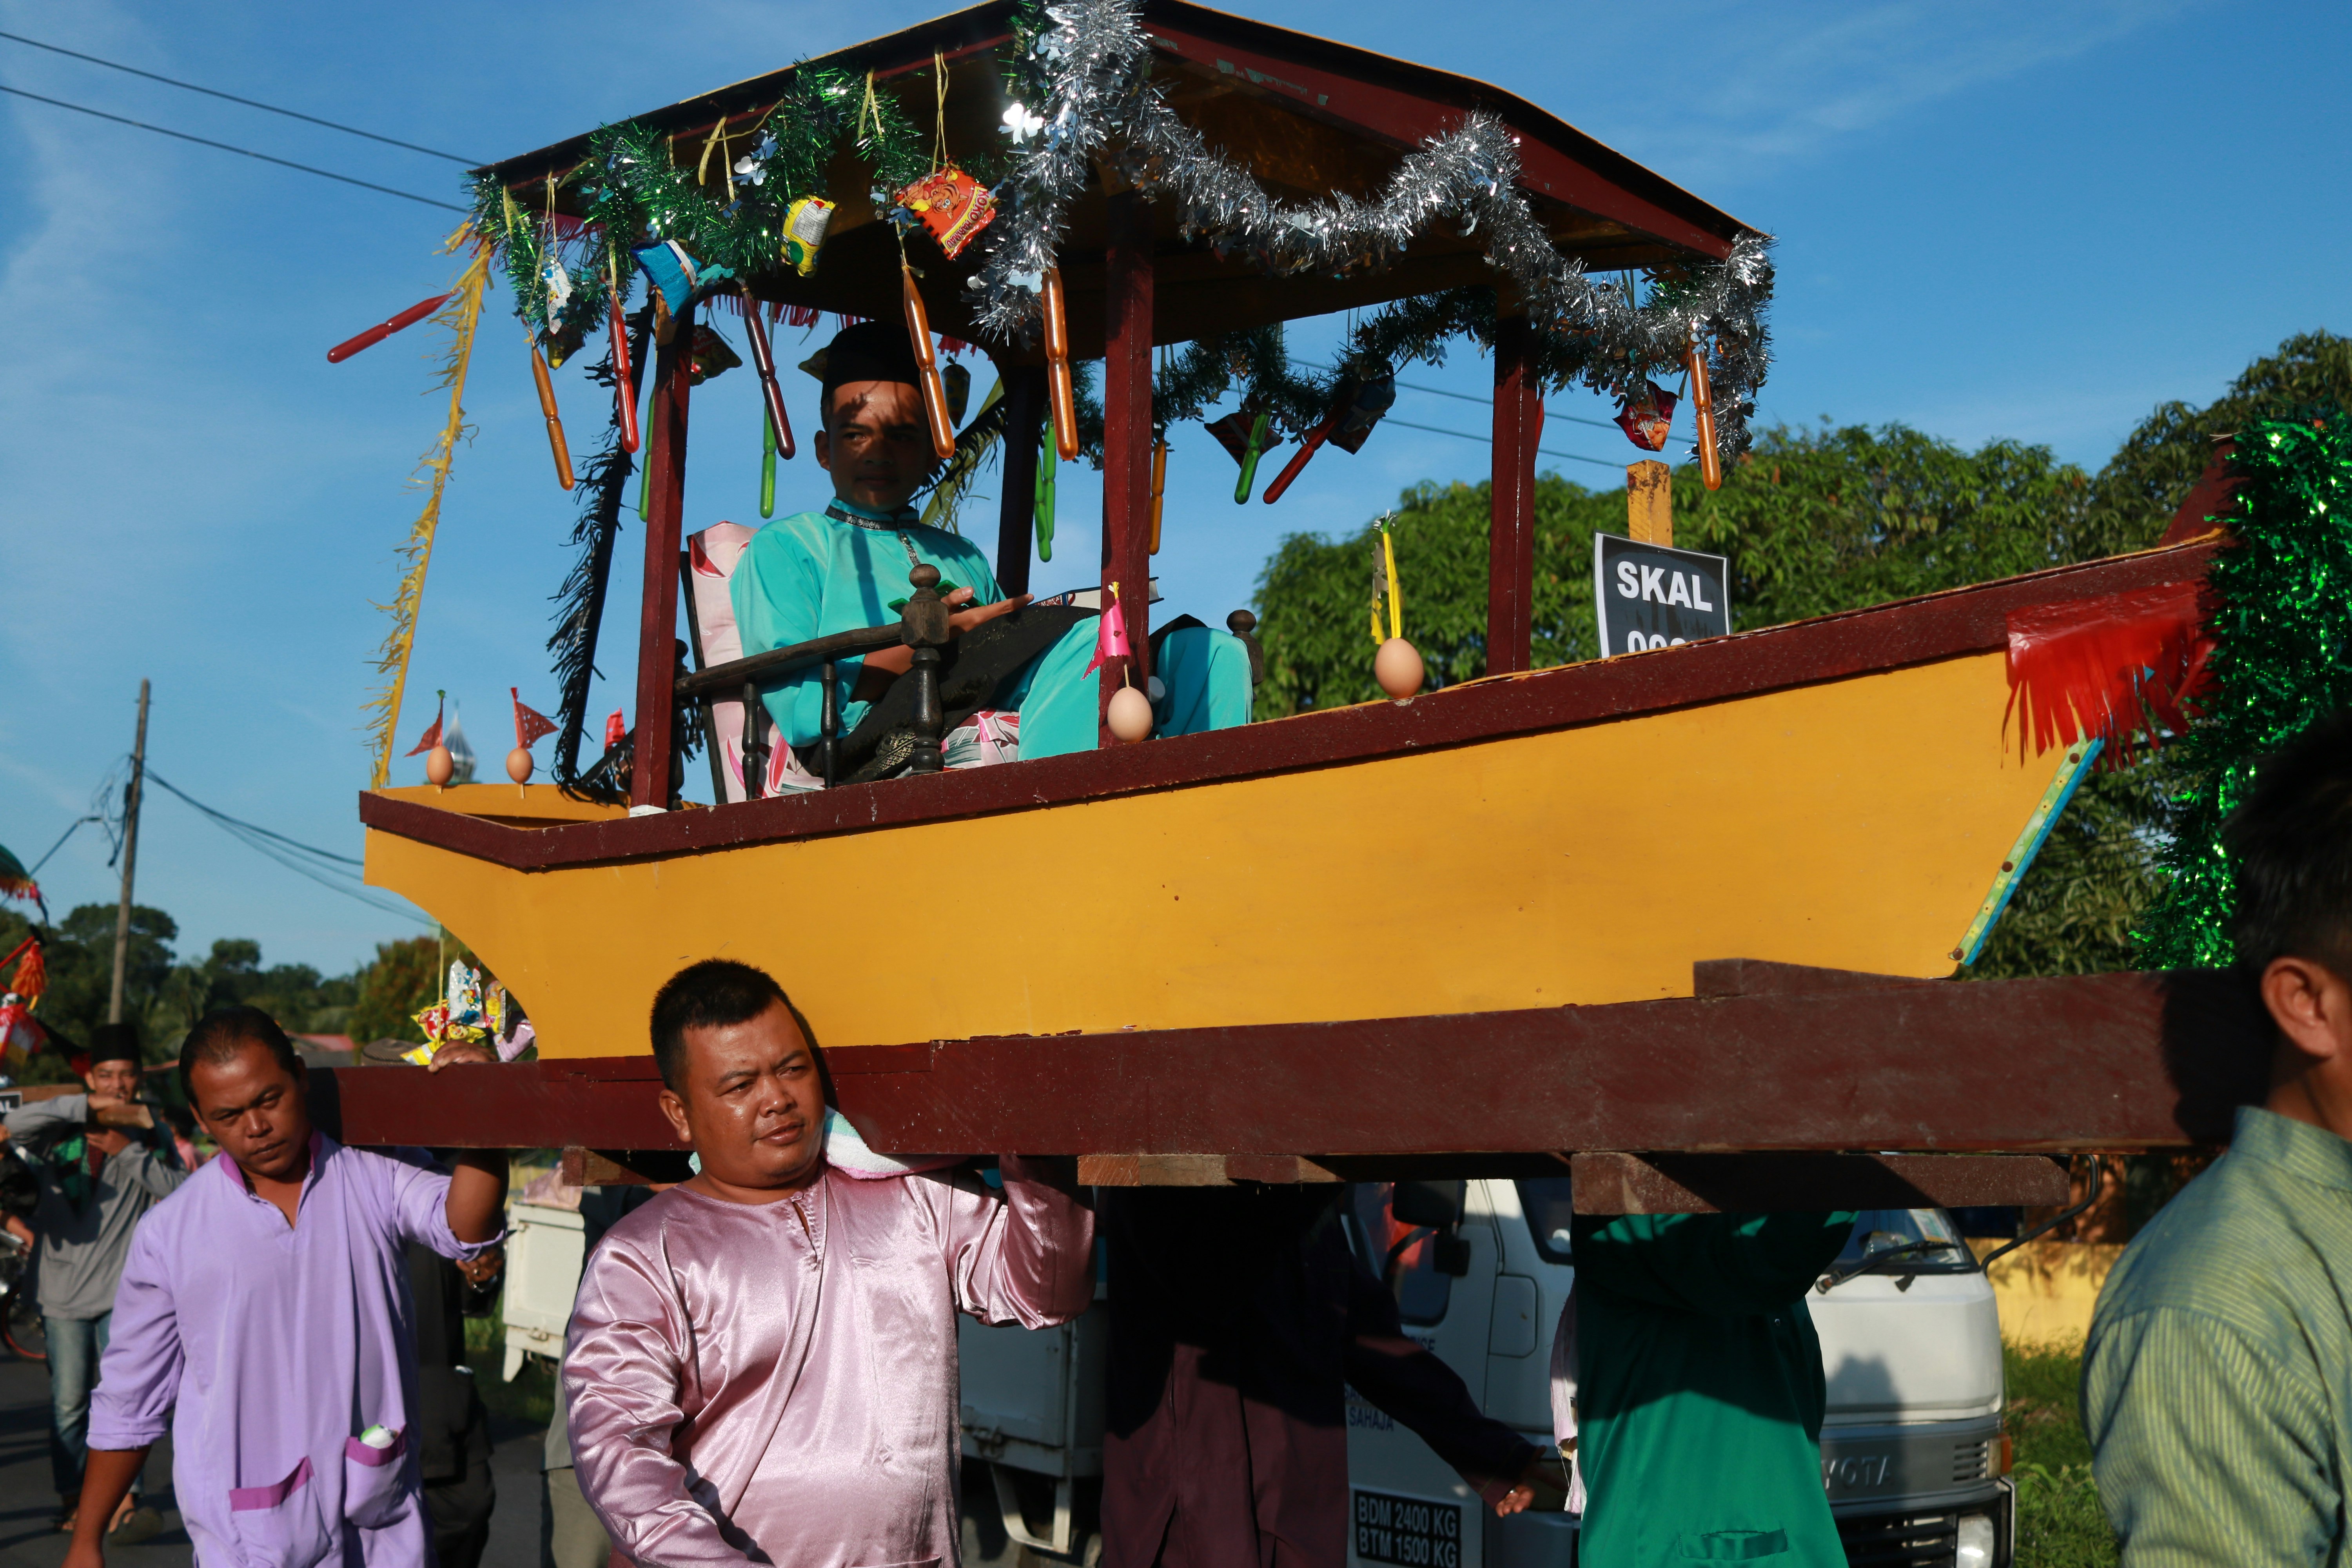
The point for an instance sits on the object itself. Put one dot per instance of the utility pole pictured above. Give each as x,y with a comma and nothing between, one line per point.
129,856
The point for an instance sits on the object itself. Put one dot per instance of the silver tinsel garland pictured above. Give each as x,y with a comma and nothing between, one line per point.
1101,103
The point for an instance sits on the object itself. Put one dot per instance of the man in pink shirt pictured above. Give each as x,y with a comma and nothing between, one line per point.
264,1312
761,1364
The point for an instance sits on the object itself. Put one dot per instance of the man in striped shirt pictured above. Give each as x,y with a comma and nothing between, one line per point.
2217,1381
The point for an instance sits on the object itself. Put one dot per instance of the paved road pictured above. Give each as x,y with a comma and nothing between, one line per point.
28,1503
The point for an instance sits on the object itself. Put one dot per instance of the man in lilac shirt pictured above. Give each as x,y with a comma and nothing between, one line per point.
267,1298
762,1365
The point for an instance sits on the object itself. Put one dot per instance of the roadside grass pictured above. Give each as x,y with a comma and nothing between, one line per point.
2059,1524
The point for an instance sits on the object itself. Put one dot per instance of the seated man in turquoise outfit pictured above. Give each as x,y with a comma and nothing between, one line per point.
818,572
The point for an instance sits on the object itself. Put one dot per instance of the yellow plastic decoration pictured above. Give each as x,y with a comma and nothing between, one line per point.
805,222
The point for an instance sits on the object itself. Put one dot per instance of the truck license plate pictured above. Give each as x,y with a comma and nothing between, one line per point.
1408,1530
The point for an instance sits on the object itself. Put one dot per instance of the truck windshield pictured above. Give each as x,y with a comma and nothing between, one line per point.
1928,1240
1401,1255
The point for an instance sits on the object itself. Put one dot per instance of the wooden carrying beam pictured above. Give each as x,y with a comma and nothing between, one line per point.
1767,1058
657,624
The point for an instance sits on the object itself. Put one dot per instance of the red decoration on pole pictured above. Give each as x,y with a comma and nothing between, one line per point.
2102,667
374,335
624,390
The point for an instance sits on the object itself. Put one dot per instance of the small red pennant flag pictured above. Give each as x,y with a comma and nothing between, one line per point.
529,724
616,730
431,736
1110,637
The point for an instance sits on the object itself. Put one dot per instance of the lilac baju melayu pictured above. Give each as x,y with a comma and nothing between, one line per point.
776,1383
280,1345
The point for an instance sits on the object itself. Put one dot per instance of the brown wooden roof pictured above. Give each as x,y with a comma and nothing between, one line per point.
1308,116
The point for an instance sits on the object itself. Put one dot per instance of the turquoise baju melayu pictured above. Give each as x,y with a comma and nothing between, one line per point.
817,572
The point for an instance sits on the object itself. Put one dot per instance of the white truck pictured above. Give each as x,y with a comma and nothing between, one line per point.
1912,1453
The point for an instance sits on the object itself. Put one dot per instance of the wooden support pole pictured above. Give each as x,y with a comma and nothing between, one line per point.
1650,502
1511,540
1126,439
657,625
1024,422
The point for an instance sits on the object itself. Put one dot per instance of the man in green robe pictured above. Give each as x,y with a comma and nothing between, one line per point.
1700,1391
844,567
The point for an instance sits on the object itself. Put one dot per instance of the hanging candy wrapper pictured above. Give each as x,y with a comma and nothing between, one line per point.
805,222
20,1037
1375,394
675,275
1648,417
952,205
710,356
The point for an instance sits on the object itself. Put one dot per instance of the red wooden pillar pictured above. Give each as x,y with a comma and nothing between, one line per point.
657,624
1511,540
1126,437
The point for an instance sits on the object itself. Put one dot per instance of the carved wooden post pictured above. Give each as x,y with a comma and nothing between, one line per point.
1242,623
828,740
1126,441
658,626
925,624
1511,540
1024,421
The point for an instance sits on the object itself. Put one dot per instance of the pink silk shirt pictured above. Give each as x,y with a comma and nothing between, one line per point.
777,1383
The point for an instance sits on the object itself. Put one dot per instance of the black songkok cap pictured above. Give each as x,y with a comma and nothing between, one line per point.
114,1043
866,351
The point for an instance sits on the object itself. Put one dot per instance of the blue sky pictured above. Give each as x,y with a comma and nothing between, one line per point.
2002,219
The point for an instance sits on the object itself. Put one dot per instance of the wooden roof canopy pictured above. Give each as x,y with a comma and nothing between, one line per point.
1310,117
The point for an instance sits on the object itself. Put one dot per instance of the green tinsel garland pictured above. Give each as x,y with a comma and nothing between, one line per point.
630,189
2283,660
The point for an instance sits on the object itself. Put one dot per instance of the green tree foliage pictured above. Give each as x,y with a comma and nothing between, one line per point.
161,996
2143,485
405,978
1814,521
1316,596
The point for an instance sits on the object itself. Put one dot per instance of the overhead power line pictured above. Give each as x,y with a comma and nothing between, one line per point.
1467,435
1549,413
232,98
241,152
324,866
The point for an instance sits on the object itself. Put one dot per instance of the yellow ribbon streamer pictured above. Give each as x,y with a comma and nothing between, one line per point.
1396,594
460,316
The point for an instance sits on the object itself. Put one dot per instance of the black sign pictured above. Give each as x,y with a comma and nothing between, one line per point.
1409,1529
1652,595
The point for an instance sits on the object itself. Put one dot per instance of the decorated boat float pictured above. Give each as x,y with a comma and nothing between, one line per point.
1641,909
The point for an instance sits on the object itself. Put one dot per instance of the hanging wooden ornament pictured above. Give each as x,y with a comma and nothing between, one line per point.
554,421
1647,416
376,334
805,222
767,467
1298,459
1158,489
1060,392
1710,462
764,361
625,387
1046,464
952,206
1242,434
927,362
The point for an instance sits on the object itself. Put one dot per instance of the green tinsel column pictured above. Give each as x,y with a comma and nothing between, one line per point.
2283,659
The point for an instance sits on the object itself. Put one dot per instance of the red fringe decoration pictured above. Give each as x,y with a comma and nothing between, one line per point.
801,316
33,975
2113,669
954,348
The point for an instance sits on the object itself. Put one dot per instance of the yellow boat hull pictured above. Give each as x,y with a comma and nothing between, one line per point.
1858,823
